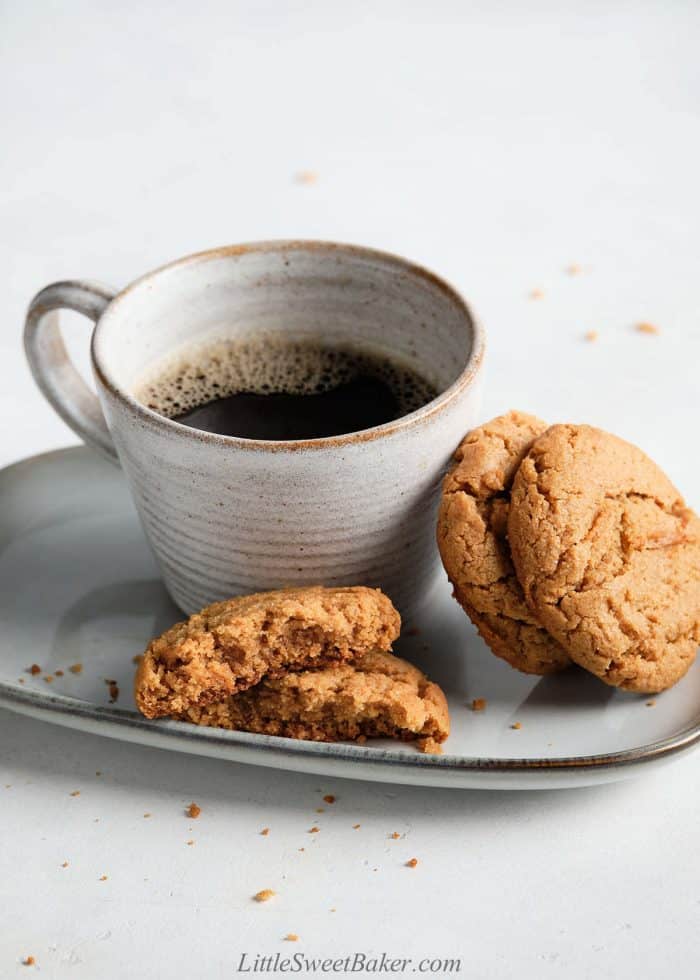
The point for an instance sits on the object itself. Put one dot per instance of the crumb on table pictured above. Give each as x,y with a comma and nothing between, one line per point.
265,831
291,937
647,328
306,177
356,826
35,669
314,830
573,269
537,293
193,811
329,798
479,704
395,836
591,335
76,668
76,792
265,895
412,863
516,725
28,961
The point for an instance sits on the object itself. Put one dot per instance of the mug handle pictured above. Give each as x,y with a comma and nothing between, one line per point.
53,369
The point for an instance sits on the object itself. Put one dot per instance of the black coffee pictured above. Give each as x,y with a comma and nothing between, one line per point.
273,388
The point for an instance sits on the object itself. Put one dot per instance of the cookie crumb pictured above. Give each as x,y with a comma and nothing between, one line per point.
356,826
65,864
113,690
28,961
647,328
103,877
265,831
320,809
361,739
48,678
412,863
573,269
76,668
291,937
516,725
20,680
302,848
537,293
265,895
314,830
190,843
479,704
58,673
193,811
146,816
306,177
395,836
35,669
650,704
329,798
591,336
76,792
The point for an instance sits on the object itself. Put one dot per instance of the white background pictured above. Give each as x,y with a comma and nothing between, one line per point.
497,143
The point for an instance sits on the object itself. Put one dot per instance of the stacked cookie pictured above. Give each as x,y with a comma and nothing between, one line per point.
310,663
568,544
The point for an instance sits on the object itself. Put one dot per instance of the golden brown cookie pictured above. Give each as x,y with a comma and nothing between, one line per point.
378,695
232,645
472,540
608,556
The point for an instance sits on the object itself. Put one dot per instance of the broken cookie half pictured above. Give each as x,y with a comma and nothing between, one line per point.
230,646
378,695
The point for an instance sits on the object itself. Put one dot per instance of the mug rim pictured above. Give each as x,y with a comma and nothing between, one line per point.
434,407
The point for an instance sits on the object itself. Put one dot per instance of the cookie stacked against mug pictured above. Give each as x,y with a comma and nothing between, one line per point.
567,544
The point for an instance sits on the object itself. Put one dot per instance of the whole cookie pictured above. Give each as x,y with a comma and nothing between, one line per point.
608,556
471,536
232,645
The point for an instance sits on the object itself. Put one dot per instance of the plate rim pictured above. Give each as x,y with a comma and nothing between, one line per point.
170,734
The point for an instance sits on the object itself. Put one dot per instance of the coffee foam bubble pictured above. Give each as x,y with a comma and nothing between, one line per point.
269,365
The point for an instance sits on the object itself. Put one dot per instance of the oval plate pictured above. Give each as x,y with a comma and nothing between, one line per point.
79,586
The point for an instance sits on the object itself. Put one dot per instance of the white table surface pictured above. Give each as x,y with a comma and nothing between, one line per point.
497,143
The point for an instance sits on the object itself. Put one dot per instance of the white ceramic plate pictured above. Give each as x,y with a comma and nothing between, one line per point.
78,584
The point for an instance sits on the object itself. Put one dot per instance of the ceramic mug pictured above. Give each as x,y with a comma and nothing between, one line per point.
227,515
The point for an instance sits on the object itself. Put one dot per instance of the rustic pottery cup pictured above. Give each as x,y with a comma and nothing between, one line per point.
227,515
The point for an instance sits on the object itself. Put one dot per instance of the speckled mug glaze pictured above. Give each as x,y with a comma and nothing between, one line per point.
226,515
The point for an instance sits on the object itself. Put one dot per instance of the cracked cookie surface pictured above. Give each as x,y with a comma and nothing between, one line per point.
232,645
608,555
472,539
378,695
